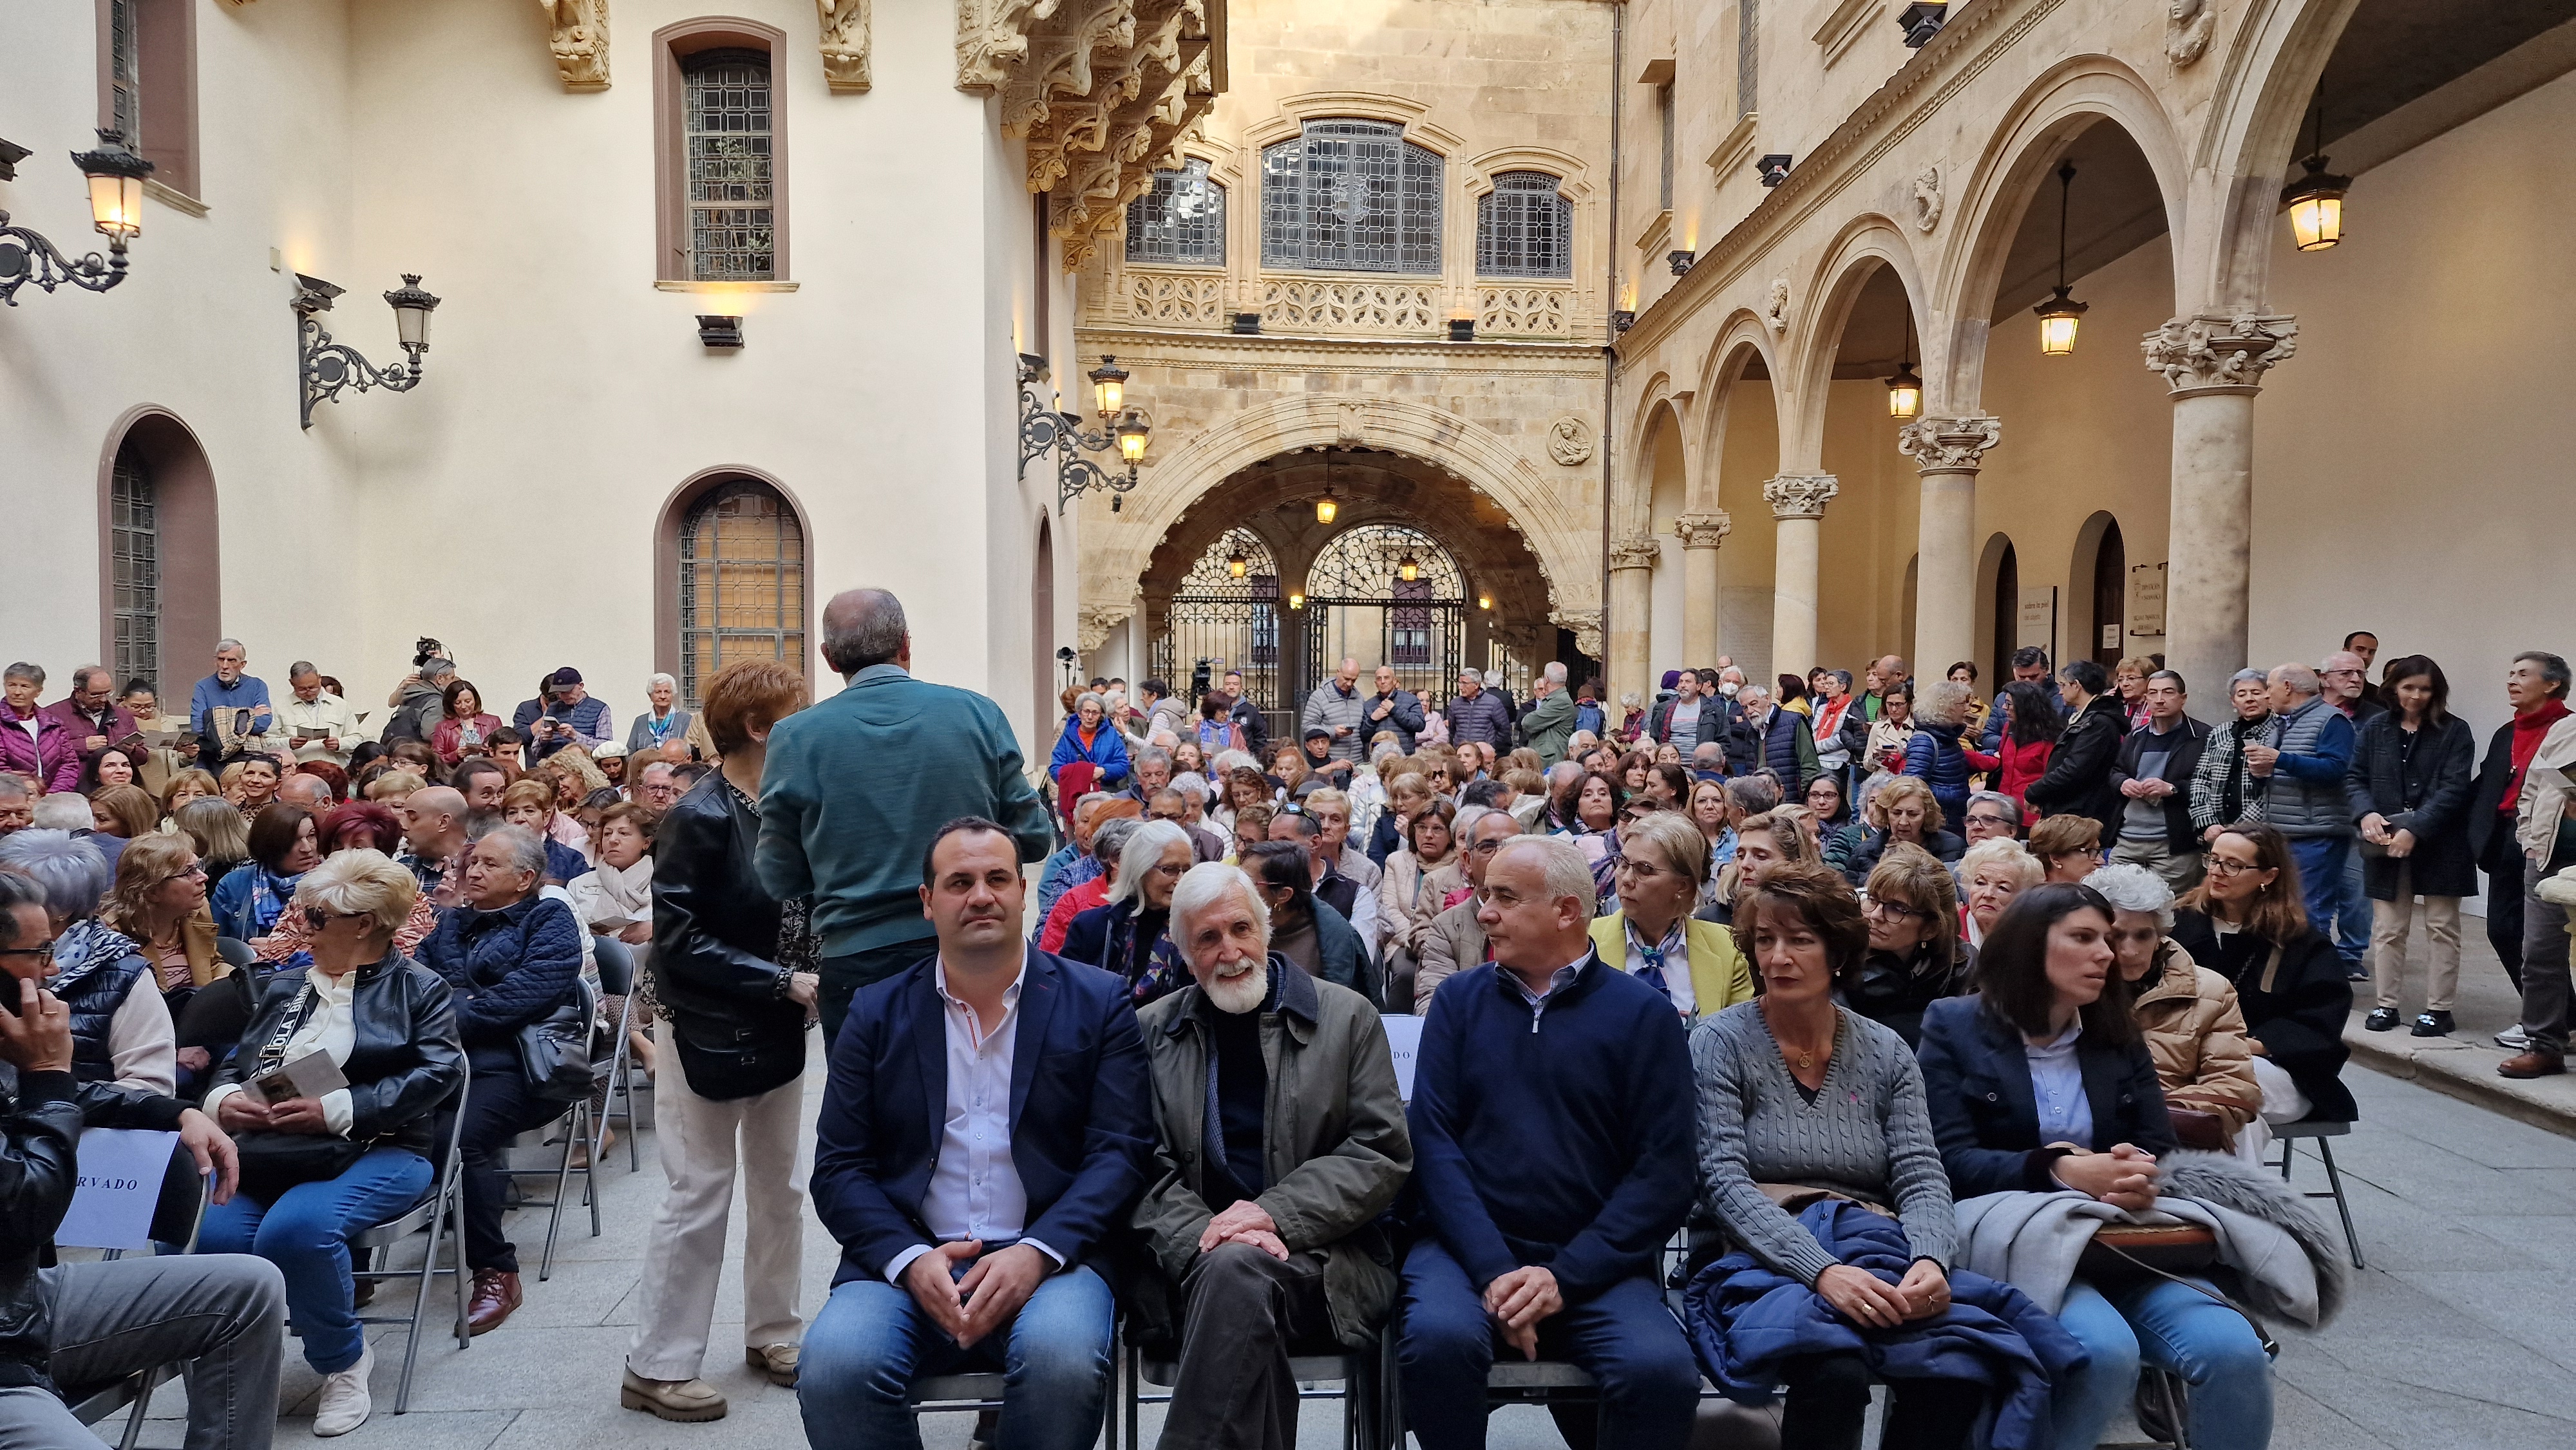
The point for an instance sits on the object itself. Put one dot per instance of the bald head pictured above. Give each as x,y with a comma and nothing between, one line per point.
433,820
309,791
863,627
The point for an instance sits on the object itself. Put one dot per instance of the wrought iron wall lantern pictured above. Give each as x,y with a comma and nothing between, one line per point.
115,207
1045,430
327,367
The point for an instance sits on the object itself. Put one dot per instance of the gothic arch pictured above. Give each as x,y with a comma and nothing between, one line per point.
190,577
1866,244
1549,516
2271,67
2069,99
1744,339
674,517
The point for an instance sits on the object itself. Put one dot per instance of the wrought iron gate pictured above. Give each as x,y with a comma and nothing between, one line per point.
1385,594
1227,620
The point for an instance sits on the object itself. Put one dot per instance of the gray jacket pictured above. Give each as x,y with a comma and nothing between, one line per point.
2305,794
1329,709
1453,942
1334,1144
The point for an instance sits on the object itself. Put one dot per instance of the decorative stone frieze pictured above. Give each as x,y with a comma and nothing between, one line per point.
845,43
1704,530
2210,351
577,35
1949,445
1299,304
1525,311
1635,551
1096,623
1800,495
1176,299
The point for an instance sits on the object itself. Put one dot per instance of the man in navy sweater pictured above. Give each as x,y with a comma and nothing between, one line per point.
1553,1153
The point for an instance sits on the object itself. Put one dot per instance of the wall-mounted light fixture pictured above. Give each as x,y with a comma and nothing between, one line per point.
719,330
1247,324
1774,168
1623,319
2059,315
1680,261
1920,23
1123,426
1462,329
327,367
115,209
2316,199
1484,601
1905,390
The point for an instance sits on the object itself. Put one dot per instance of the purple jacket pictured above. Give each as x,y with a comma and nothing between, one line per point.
51,758
120,724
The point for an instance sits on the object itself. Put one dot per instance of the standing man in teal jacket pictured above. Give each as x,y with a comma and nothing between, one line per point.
856,787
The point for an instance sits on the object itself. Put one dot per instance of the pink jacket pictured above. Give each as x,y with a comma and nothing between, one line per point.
50,758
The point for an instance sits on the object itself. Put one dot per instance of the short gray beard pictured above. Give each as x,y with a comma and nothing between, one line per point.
1239,994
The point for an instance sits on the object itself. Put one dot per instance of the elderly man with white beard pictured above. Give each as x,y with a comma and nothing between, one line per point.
1282,1139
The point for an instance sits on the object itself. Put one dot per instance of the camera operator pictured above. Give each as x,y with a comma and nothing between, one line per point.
224,1314
417,700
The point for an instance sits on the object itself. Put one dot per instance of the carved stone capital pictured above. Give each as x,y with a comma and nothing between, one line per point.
1635,551
1096,623
1586,624
845,43
577,34
1704,531
1949,445
1800,495
2211,351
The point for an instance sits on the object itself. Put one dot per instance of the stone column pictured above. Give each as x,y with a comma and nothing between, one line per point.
1798,504
1632,579
1701,534
1948,452
2214,365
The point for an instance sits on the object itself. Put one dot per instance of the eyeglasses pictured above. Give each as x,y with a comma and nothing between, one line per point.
1631,866
1170,872
2005,822
315,918
42,951
2221,866
1897,909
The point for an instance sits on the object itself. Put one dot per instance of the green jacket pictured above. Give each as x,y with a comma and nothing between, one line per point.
1550,726
1334,1145
855,785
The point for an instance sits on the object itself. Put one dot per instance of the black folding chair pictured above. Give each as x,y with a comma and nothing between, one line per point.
175,1220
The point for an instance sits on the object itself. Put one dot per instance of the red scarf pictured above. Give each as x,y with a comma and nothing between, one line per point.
2528,731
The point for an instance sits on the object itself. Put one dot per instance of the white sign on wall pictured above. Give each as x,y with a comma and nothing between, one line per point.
2038,617
2147,600
1404,1038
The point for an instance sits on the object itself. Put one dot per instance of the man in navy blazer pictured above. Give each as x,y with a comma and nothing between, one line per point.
986,1125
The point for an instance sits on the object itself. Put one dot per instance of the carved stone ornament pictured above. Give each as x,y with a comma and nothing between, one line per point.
1949,445
845,43
1635,551
1704,531
577,34
1351,423
2189,24
1097,621
1586,624
1927,198
2207,351
1777,313
1569,440
1800,495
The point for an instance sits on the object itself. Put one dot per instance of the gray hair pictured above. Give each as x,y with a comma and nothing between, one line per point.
1751,693
1206,884
1112,835
63,811
2002,851
22,670
1997,798
1226,761
1708,750
222,645
1155,755
2301,680
16,891
1944,702
1142,852
1554,672
1091,698
364,882
1751,794
2129,886
1189,783
862,627
300,669
658,678
2247,677
71,872
527,852
1562,867
1493,679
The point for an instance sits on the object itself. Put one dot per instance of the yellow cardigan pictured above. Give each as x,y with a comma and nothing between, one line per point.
1719,978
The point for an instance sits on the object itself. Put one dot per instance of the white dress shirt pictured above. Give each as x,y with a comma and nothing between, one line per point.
975,1190
331,1027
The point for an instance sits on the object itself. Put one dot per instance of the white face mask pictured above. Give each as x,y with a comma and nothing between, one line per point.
1728,689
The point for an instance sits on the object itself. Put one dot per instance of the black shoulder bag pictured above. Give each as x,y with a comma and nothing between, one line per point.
273,1162
554,1051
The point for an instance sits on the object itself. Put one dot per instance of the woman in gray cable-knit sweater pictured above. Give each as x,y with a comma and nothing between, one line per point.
1794,1090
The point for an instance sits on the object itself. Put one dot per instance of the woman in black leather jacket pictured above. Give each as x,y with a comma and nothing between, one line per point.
389,1024
734,973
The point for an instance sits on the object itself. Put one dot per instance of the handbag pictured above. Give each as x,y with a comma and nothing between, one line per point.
2126,1250
2194,1128
722,1065
272,1162
554,1052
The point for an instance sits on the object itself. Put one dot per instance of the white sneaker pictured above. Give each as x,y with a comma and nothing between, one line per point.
2514,1039
345,1403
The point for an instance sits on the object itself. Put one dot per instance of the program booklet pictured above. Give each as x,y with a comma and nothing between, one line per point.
309,1076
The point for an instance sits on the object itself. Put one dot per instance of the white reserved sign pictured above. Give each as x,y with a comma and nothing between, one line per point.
1404,1039
120,1183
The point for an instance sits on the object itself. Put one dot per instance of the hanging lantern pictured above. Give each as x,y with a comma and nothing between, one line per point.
1109,387
1296,600
1408,568
2059,316
1905,390
115,176
1484,601
2316,206
1326,507
1236,564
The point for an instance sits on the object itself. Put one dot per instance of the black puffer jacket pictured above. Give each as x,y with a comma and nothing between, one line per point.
2078,782
715,927
406,1058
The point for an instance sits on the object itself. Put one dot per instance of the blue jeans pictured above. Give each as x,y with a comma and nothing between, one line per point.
306,1234
871,1341
2321,860
1625,1337
2352,912
2172,1327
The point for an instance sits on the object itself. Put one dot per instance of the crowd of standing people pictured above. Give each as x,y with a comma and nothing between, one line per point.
2006,968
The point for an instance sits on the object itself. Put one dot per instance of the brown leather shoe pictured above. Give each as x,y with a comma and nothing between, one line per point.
2532,1064
495,1295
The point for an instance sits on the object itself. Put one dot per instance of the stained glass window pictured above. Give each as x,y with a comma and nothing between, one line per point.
1523,228
726,138
1182,220
1351,196
742,584
134,545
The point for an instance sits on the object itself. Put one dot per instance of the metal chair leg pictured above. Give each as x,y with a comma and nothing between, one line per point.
152,1380
2343,1209
2289,1150
563,1185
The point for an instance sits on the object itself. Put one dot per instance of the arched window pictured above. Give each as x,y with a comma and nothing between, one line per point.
1523,228
1181,220
741,586
726,136
1351,196
134,554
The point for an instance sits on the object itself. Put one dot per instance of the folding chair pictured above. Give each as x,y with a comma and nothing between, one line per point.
577,1129
175,1220
617,979
1355,1372
442,1213
949,1394
2289,1134
1545,1382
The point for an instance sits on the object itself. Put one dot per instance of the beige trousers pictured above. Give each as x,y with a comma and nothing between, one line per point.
702,1143
2389,921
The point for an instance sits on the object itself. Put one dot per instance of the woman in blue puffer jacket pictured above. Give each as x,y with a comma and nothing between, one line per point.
1089,736
1934,754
